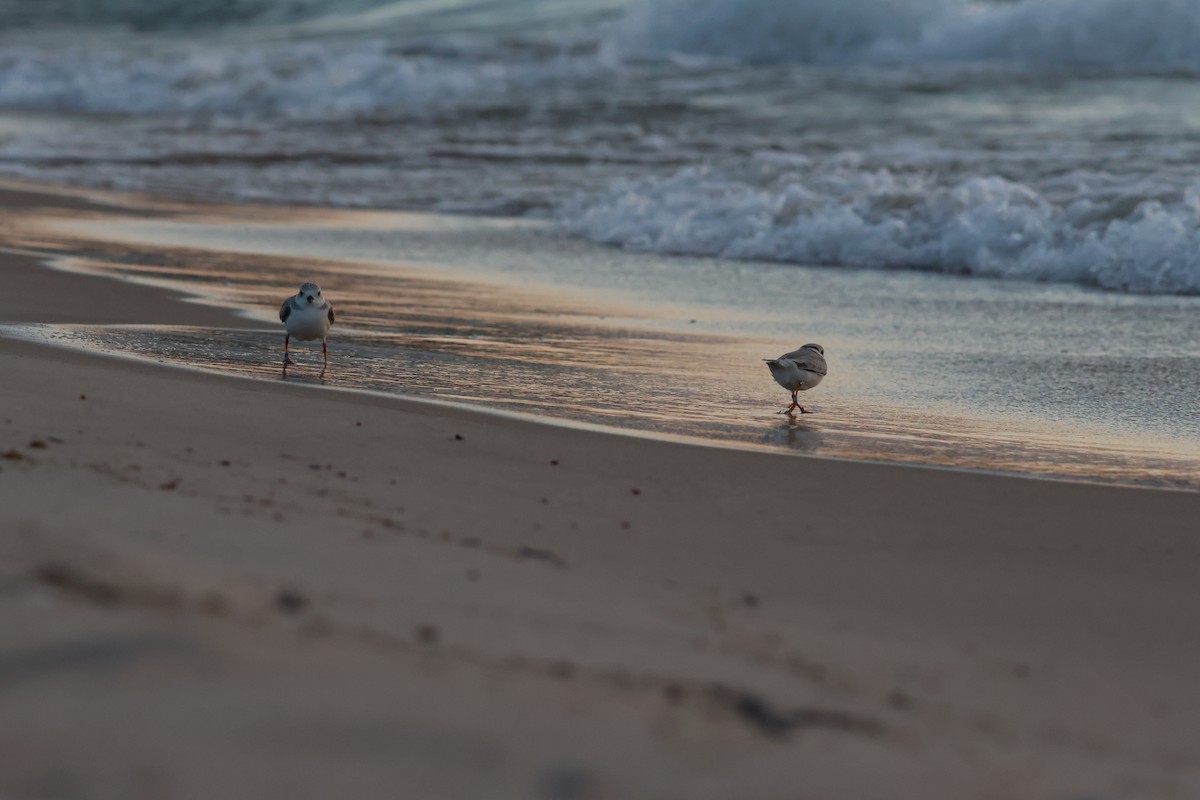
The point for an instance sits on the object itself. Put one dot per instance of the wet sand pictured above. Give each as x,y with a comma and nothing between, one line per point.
220,587
508,316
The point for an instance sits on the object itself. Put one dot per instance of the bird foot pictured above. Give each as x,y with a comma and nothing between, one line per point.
287,361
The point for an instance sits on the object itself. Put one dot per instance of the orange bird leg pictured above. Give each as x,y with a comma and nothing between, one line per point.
793,406
796,404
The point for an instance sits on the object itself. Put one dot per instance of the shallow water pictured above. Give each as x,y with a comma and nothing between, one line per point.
1051,140
511,316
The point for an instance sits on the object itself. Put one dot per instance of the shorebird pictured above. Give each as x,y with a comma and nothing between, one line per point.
798,371
307,316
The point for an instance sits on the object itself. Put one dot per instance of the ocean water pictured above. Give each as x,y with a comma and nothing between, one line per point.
1044,140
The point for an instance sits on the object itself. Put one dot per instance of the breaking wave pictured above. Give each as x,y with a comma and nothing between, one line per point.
296,79
514,104
259,67
985,226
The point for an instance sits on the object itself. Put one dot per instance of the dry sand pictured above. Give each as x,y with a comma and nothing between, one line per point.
216,587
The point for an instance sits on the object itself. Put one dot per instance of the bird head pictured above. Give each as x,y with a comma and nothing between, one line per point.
309,293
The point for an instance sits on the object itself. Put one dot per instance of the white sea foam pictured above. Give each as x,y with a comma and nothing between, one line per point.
877,219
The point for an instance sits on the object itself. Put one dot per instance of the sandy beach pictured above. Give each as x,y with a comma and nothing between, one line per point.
220,587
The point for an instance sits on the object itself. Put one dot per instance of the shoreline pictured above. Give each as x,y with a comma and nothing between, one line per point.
27,332
553,353
406,598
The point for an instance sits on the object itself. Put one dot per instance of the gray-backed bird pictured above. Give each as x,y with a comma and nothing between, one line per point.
798,371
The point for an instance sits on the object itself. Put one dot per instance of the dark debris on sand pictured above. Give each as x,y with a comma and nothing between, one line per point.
290,601
780,723
537,554
102,590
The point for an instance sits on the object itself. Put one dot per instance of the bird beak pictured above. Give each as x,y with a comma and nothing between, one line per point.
310,298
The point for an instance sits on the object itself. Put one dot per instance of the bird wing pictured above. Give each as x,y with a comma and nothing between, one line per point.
286,309
331,317
808,359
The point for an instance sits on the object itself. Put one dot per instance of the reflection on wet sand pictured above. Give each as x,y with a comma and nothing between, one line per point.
283,374
620,379
406,329
802,437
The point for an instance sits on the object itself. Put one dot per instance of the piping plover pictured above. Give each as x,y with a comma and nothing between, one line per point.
798,371
307,316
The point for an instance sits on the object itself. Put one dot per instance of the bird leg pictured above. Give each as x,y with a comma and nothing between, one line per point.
325,353
793,406
286,358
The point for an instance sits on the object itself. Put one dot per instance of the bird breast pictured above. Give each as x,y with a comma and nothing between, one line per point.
311,322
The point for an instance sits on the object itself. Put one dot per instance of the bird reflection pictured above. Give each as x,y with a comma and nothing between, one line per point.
283,375
801,435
